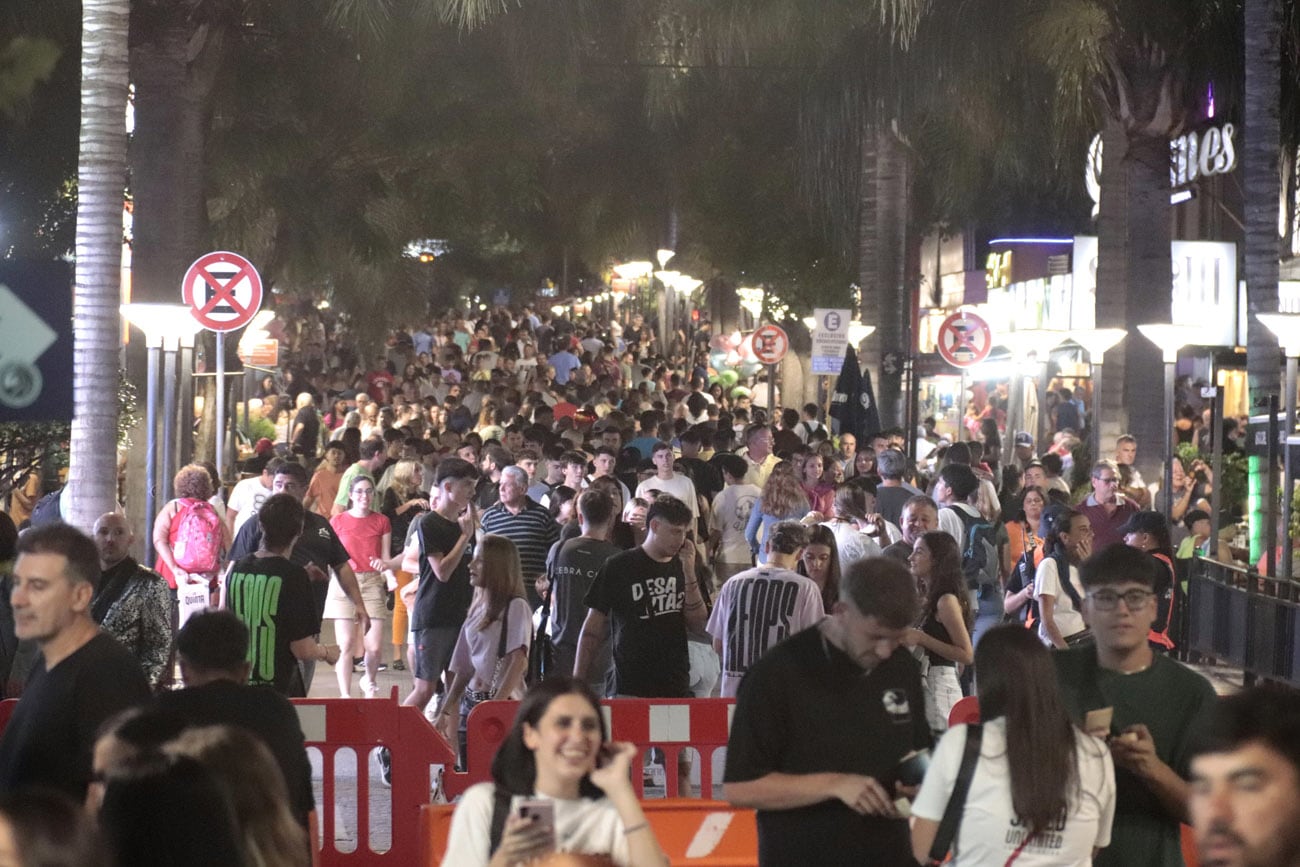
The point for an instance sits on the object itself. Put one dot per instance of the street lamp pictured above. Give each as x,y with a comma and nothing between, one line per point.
1286,328
1095,342
164,327
1036,344
1170,338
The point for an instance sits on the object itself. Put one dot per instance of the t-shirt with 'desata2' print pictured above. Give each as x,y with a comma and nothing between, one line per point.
273,598
645,602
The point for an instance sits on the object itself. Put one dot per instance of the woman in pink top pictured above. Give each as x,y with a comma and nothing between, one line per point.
821,494
367,537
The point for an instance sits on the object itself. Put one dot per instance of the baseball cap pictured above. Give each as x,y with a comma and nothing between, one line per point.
263,446
1024,439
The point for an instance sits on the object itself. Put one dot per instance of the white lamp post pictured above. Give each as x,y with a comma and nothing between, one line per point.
1286,327
1170,338
1096,342
164,327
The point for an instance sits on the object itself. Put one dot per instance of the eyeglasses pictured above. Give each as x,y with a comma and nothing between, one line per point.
1106,480
1106,600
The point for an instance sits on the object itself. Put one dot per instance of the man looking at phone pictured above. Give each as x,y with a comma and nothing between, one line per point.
822,721
1144,703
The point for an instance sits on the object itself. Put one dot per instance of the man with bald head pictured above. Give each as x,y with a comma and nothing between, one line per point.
132,603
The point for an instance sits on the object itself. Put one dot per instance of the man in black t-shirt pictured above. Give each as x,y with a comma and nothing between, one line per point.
821,723
644,600
83,676
213,648
306,427
573,569
445,537
272,596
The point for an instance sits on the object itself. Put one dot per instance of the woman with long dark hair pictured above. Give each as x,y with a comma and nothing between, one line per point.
944,633
556,751
485,665
1057,588
821,563
1043,791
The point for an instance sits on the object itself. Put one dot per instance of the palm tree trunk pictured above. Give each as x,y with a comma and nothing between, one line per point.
101,183
882,256
1263,96
1112,283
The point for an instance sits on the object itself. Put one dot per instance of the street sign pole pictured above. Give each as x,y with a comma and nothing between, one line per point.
221,405
771,392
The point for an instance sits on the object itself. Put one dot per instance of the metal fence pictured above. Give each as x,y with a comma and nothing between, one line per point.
1250,621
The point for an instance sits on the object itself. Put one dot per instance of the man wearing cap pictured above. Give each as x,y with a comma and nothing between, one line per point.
1024,448
1106,509
893,492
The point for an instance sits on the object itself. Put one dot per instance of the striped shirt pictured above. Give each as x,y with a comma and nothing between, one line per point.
533,531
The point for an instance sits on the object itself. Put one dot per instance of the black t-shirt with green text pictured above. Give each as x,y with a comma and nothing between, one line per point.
273,598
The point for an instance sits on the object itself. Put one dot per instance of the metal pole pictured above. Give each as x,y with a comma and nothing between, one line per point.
1216,465
1288,489
1270,488
771,393
1095,437
1168,483
151,446
1015,415
1044,420
221,405
185,416
168,463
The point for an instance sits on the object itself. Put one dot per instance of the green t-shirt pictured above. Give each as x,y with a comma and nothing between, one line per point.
343,498
1169,699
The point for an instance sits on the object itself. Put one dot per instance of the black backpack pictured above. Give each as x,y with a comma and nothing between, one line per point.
979,550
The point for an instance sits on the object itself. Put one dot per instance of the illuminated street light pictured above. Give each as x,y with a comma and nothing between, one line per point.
1096,342
165,327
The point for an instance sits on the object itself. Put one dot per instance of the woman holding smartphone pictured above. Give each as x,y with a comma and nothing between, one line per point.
558,785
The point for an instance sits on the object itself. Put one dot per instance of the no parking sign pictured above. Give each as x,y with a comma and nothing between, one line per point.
223,291
964,339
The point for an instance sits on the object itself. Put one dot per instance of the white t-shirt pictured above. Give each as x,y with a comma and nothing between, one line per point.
476,649
1047,582
989,832
756,610
851,543
246,498
679,486
591,827
731,508
951,524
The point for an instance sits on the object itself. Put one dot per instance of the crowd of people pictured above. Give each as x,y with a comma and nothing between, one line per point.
560,511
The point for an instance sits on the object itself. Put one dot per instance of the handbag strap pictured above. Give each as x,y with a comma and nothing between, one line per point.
947,832
500,812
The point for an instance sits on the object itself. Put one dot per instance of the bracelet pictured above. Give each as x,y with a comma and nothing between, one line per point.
635,828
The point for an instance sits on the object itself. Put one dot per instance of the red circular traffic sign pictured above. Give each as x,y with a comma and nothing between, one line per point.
770,343
223,291
964,339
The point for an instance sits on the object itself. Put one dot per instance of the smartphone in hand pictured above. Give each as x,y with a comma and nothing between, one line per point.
542,814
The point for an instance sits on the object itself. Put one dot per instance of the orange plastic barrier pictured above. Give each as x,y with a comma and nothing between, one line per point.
333,725
669,725
695,833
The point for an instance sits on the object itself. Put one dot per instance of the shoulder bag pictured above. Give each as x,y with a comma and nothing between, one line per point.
946,836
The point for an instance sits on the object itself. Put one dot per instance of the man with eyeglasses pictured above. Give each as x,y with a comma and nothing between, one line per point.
1146,705
1105,507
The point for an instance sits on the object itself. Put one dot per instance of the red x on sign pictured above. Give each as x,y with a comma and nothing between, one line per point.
964,339
223,291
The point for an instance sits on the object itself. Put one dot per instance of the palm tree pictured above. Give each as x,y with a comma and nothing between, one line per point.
101,178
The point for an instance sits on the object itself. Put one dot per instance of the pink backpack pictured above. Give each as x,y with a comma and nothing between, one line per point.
196,536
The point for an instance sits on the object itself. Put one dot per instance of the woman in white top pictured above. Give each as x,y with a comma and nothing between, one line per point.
557,751
1068,542
1043,792
483,665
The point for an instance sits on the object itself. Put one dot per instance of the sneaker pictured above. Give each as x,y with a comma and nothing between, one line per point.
369,688
385,758
398,665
